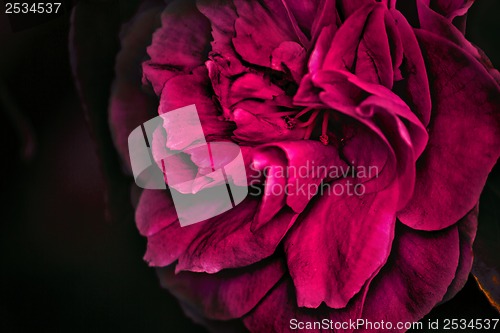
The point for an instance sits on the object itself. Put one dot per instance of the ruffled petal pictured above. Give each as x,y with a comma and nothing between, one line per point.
414,86
156,218
467,228
304,12
415,278
260,28
289,318
211,325
466,110
181,44
227,241
349,7
449,8
225,295
260,122
342,241
385,114
294,171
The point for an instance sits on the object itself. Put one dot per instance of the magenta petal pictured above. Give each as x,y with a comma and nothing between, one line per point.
303,165
268,317
387,116
347,237
290,56
258,122
253,86
349,7
290,177
227,241
270,163
435,23
304,12
346,40
170,53
129,105
156,218
449,8
260,28
467,228
224,63
224,295
466,103
222,16
415,85
415,278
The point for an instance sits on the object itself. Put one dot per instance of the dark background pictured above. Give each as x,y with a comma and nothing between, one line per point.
64,266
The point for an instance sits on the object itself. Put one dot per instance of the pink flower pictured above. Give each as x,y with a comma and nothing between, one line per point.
349,83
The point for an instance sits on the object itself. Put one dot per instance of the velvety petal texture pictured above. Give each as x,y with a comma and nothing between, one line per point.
463,132
389,94
327,261
415,278
223,295
212,245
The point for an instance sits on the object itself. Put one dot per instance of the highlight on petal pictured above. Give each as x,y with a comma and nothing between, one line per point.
260,28
316,159
383,113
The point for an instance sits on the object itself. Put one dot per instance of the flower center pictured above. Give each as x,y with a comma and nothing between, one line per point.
293,121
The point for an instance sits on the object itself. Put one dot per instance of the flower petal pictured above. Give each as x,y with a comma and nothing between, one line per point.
260,28
349,7
156,218
449,8
259,122
414,87
467,228
341,242
170,53
304,12
303,165
225,295
227,241
415,278
466,104
267,317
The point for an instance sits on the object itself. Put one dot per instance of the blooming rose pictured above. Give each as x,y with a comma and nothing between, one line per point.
356,83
